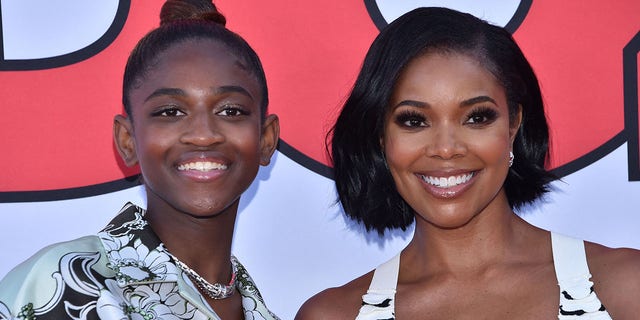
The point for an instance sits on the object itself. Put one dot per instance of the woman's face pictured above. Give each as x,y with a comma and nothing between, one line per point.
447,139
196,129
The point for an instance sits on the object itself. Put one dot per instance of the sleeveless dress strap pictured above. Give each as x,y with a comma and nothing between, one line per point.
577,297
378,302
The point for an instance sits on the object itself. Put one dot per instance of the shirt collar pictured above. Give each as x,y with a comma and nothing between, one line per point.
134,251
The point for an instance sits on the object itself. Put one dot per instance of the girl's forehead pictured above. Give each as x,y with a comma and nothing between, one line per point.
195,65
187,51
199,56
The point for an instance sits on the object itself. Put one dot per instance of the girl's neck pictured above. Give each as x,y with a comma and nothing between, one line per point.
203,244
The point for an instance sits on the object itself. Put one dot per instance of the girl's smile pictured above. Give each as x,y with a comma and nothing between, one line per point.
197,130
202,169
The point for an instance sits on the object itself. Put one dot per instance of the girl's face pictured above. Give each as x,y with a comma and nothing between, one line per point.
447,139
196,130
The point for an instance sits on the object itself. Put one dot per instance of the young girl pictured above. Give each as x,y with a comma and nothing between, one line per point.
445,126
196,123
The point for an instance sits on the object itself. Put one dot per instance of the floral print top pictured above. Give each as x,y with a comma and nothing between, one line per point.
122,273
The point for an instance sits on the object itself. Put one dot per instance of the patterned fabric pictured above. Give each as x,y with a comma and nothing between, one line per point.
578,300
122,273
378,303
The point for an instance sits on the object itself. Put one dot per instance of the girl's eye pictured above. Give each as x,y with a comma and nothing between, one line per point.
231,111
482,116
411,119
169,112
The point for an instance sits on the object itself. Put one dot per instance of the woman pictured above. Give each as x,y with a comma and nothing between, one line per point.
445,126
196,123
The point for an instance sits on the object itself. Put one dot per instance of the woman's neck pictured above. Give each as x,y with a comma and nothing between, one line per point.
489,239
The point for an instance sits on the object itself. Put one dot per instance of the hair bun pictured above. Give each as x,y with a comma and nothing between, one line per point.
180,10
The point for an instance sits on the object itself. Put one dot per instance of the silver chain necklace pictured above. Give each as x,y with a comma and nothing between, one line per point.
214,291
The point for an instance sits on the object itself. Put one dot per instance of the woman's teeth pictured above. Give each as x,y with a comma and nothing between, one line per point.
447,182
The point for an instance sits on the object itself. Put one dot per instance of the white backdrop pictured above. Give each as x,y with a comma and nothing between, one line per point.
290,234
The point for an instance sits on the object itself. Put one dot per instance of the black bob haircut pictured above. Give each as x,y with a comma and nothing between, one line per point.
181,21
365,186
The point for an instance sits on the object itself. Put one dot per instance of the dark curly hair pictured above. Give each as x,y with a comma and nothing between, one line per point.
365,186
182,20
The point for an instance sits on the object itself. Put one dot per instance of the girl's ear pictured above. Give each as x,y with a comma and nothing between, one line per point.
269,138
123,137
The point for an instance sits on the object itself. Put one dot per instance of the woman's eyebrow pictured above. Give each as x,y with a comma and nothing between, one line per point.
412,103
464,103
475,100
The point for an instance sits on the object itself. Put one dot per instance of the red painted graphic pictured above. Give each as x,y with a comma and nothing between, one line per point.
56,128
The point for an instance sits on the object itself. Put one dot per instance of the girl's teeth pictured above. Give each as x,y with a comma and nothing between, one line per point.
202,166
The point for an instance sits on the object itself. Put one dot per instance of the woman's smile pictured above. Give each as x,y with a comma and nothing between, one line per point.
448,137
447,185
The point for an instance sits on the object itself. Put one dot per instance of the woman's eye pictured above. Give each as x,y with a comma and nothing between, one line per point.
411,120
482,116
232,112
414,123
477,119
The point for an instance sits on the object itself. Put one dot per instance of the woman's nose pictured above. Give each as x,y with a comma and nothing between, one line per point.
447,142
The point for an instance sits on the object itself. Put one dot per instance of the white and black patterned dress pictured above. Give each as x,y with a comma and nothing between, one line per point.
577,298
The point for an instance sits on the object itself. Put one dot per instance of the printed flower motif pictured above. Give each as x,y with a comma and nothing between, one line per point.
138,223
112,243
125,228
249,305
138,263
145,302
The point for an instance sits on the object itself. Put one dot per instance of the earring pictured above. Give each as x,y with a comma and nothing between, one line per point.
511,158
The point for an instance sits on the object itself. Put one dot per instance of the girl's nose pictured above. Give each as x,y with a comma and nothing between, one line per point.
202,131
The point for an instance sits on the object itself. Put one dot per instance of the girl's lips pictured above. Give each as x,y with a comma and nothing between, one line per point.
447,186
201,170
201,165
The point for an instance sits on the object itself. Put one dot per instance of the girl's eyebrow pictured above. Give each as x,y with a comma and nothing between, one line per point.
181,93
236,89
166,92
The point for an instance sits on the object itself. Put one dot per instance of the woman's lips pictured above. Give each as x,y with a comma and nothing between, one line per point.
447,182
447,186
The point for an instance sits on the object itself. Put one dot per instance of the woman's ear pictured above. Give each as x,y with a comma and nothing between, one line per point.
515,124
123,137
269,138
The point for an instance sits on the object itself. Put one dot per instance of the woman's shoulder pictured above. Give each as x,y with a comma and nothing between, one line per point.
616,277
613,263
337,303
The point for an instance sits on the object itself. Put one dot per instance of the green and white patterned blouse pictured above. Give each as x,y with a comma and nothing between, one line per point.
122,273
